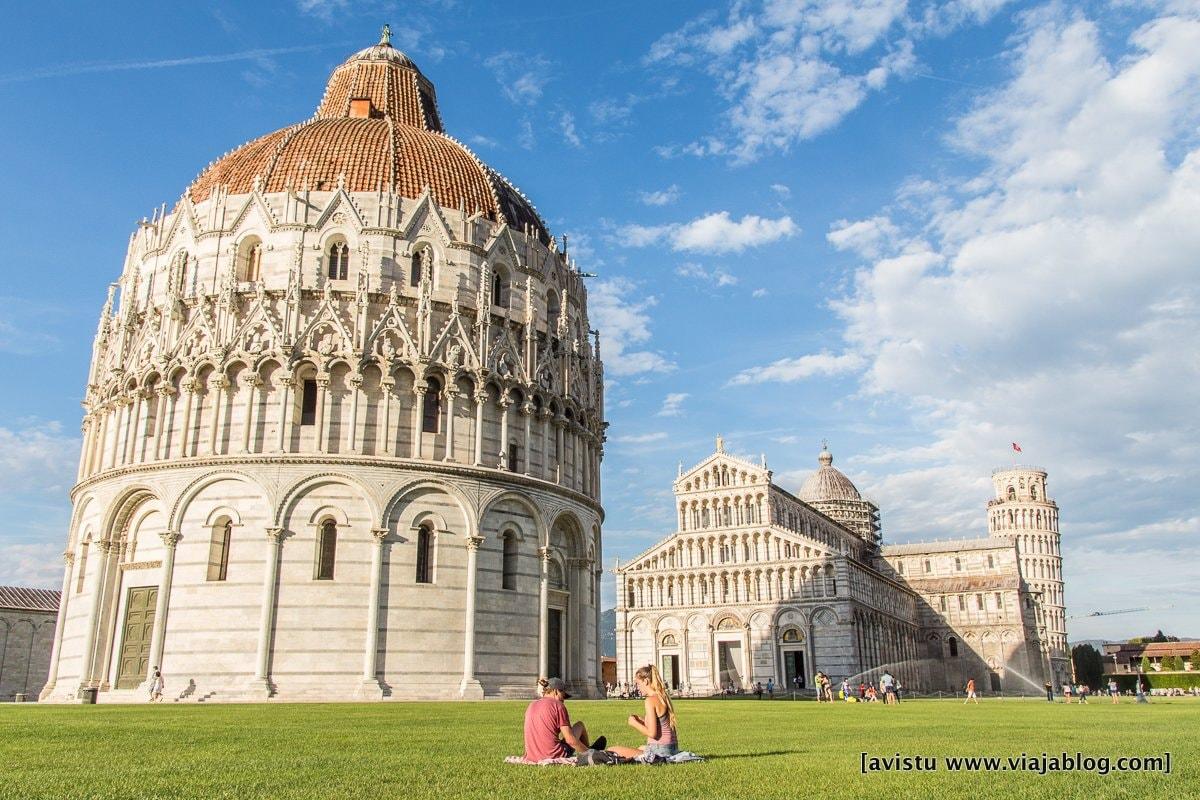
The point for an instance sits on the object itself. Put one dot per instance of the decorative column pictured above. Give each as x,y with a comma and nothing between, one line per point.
714,659
687,658
56,650
544,614
120,437
189,388
85,450
480,399
266,618
88,669
527,413
322,394
470,688
544,415
418,423
387,386
162,436
169,540
285,405
356,383
559,422
597,575
503,403
216,388
133,434
451,393
252,382
370,686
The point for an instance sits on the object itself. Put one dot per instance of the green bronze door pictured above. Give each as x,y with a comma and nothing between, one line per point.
134,663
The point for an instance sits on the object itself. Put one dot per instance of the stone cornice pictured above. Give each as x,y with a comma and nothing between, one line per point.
329,459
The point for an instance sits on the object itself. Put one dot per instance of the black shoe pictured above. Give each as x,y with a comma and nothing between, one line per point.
600,744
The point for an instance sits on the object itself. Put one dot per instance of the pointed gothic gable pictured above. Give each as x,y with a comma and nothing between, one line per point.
452,346
426,220
505,357
341,202
261,330
502,246
256,208
391,335
326,333
198,335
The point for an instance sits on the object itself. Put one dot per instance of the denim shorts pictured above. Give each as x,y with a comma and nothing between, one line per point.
661,750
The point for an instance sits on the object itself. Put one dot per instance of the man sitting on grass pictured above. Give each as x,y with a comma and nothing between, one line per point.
546,720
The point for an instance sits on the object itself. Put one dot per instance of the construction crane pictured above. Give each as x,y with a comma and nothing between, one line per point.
1118,611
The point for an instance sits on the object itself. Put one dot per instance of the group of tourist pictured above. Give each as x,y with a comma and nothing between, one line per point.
549,732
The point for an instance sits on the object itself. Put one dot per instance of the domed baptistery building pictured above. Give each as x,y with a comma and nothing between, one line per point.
343,429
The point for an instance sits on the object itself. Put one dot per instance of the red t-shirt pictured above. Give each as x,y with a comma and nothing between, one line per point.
543,720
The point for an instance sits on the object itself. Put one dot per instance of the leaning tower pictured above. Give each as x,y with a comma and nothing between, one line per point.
1023,513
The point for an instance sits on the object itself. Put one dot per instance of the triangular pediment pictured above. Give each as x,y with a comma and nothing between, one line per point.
723,464
426,221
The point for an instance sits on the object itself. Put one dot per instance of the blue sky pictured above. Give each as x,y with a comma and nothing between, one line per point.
920,230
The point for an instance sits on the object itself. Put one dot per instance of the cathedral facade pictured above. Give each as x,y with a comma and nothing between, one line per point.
343,429
758,584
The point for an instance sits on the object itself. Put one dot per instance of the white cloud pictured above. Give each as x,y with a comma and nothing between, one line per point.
795,68
479,140
1051,299
38,462
781,189
712,233
790,370
566,123
624,323
759,293
39,565
868,238
673,404
522,77
662,197
644,438
717,276
525,137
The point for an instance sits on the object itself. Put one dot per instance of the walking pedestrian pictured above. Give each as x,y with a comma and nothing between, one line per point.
971,692
157,684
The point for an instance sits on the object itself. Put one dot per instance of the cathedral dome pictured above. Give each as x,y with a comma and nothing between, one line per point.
828,483
377,127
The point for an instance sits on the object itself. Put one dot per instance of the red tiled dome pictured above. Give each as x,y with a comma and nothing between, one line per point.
377,127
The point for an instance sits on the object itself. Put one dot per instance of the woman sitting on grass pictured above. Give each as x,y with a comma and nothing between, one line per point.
658,726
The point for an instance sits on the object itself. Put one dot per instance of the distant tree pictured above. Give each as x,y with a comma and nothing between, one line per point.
1159,636
1196,661
1145,663
1089,665
1170,664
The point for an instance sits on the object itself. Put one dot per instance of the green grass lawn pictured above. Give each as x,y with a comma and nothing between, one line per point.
416,750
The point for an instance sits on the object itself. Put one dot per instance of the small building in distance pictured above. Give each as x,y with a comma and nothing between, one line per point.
27,618
1127,656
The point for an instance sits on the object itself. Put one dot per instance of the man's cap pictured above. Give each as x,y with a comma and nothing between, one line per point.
557,685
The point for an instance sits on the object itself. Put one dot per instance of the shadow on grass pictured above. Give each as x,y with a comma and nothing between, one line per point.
754,755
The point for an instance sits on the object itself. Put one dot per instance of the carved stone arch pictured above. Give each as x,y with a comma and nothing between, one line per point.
116,518
217,512
728,621
540,515
575,530
189,493
77,514
790,615
297,490
397,494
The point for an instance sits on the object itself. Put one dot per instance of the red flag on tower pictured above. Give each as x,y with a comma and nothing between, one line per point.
1016,447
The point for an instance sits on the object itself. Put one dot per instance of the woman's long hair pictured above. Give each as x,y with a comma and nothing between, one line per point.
650,675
